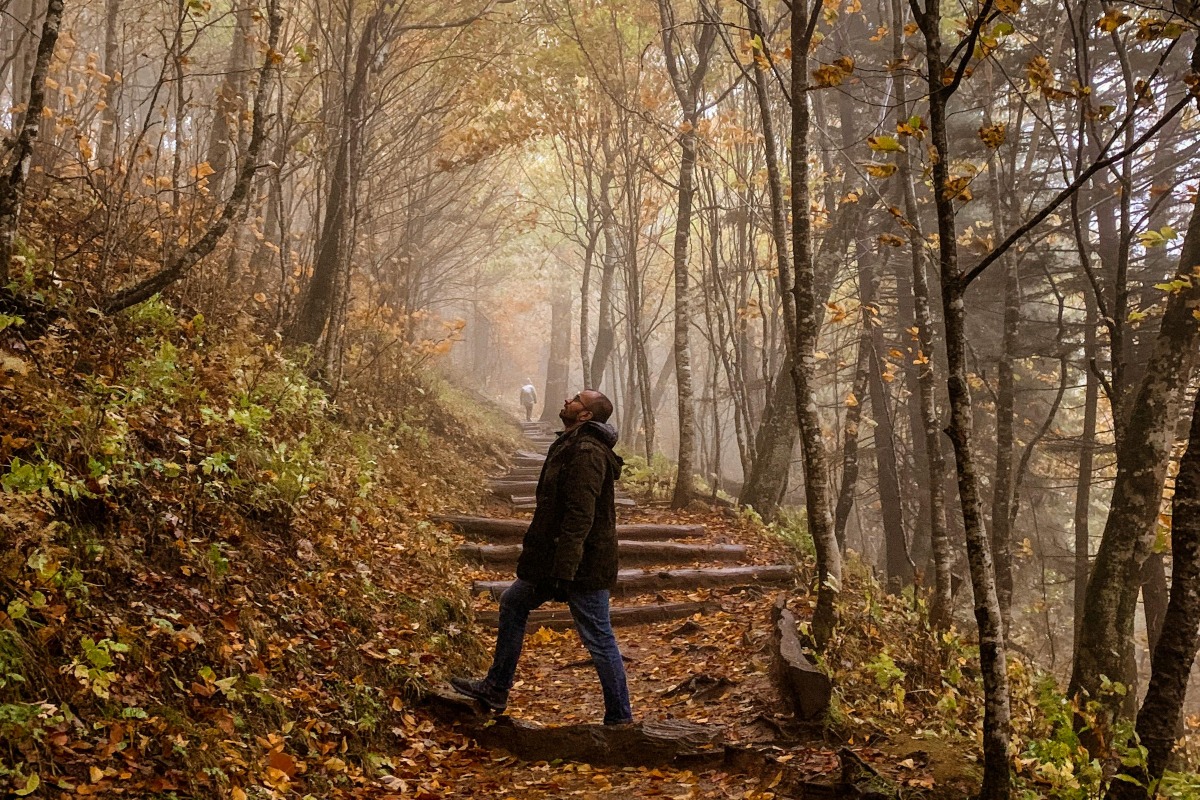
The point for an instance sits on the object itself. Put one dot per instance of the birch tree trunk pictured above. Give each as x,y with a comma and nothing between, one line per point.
687,79
12,185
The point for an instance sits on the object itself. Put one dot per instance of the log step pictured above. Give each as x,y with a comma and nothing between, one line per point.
505,530
529,502
634,581
559,619
631,552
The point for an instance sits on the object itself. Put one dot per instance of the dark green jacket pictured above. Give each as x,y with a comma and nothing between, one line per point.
573,535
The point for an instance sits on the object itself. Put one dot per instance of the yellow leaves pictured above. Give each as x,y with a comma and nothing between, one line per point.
851,400
881,170
1174,287
885,144
913,126
31,785
1112,19
1038,72
236,793
201,170
1151,28
993,136
85,148
1040,76
260,298
833,74
1157,238
1009,7
920,359
958,188
95,774
890,240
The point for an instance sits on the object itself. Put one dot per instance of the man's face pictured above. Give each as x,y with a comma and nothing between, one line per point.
572,409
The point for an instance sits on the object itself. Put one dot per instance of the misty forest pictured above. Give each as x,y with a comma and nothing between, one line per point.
897,302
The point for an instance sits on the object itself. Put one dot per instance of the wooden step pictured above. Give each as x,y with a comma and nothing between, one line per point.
510,530
560,619
634,581
630,552
529,502
521,474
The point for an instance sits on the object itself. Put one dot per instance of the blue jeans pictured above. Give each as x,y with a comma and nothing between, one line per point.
590,612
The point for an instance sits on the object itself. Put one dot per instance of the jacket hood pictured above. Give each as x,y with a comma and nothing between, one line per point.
602,431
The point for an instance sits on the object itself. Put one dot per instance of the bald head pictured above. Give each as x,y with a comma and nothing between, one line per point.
595,402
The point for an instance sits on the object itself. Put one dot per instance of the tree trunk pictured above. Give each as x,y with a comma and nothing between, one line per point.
605,339
1105,642
109,119
558,366
942,553
224,134
1159,720
689,89
997,777
1087,450
1002,485
802,320
850,426
776,436
12,186
897,562
320,294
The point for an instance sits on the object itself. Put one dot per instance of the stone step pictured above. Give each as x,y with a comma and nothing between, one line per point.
635,581
630,552
512,530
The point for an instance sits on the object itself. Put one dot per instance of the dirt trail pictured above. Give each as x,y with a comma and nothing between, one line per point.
711,669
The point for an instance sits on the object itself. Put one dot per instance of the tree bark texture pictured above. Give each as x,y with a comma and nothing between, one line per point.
939,537
802,321
688,83
850,426
1105,642
997,722
12,185
897,564
1002,482
1083,485
1159,719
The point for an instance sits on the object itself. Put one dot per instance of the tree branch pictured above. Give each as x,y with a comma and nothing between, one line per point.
1000,249
199,249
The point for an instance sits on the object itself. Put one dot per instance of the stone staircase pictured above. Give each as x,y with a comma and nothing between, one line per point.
663,565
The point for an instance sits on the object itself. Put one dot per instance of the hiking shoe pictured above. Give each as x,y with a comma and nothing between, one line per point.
478,689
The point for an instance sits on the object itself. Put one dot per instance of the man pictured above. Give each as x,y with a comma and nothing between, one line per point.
569,554
528,398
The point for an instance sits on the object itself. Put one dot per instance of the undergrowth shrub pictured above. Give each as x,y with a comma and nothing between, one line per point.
202,550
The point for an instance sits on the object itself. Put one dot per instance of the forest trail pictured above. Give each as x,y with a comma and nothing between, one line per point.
693,618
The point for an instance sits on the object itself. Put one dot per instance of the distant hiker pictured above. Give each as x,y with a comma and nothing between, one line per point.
528,398
569,555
